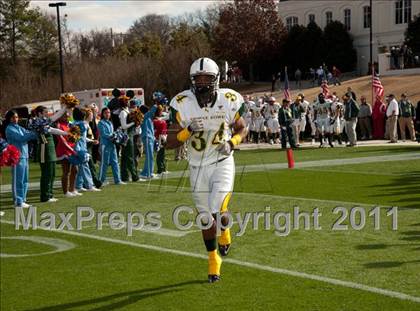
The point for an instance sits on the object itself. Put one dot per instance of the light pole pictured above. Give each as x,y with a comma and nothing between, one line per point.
57,5
371,37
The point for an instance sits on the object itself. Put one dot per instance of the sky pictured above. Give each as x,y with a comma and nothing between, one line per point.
85,15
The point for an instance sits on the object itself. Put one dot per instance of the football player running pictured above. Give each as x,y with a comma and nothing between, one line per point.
212,125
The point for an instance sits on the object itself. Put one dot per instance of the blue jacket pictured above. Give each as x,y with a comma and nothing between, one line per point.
106,129
81,144
19,137
147,128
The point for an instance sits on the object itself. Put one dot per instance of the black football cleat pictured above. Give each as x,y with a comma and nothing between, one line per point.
214,278
224,249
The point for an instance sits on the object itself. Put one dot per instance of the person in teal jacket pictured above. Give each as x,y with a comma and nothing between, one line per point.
19,137
107,148
148,139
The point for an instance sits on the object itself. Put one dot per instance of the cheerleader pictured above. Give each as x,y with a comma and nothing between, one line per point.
64,150
84,177
108,149
19,137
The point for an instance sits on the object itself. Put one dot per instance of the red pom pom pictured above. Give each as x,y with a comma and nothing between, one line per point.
10,156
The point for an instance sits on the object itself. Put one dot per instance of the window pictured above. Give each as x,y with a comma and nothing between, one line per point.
328,17
367,18
402,11
347,19
311,18
291,21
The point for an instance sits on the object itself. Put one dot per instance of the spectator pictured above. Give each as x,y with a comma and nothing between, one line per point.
298,78
351,93
273,83
336,73
407,113
364,118
351,111
312,73
93,142
320,75
18,137
392,113
286,121
418,121
378,119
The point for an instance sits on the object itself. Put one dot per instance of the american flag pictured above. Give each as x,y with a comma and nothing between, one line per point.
286,92
377,85
324,86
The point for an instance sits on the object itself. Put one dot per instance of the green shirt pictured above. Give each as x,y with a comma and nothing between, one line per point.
406,109
285,116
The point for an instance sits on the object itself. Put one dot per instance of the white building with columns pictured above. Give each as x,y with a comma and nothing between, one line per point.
389,21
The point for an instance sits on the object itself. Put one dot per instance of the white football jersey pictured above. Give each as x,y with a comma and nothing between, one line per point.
272,111
323,110
217,120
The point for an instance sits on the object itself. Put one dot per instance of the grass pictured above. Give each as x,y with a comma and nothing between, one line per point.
99,275
247,157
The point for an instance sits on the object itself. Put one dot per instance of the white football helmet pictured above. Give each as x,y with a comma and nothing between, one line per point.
204,89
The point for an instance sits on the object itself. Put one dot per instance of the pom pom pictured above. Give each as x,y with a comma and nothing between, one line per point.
119,137
39,125
74,134
69,100
136,116
9,156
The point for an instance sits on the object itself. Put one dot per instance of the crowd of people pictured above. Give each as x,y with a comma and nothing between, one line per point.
80,137
330,119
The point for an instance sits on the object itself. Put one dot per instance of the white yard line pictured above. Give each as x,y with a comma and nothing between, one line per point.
237,262
160,231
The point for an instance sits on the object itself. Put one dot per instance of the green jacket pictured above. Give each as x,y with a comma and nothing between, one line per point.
46,151
285,116
351,109
406,109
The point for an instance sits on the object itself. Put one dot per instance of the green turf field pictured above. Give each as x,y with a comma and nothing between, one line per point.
324,269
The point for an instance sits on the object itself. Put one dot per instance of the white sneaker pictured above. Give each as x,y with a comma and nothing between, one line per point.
52,200
105,183
271,142
23,205
69,195
1,213
76,193
141,180
82,189
93,189
121,183
165,173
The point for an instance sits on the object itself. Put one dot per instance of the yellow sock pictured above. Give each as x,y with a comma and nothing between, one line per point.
214,263
224,238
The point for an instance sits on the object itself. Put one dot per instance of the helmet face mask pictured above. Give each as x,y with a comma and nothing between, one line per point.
204,75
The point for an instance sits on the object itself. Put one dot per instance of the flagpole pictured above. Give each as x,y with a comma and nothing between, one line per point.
373,76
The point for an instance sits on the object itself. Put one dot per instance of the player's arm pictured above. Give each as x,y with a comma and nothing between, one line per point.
178,133
239,133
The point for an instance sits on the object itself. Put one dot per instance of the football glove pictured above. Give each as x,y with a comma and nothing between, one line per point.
225,148
196,125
